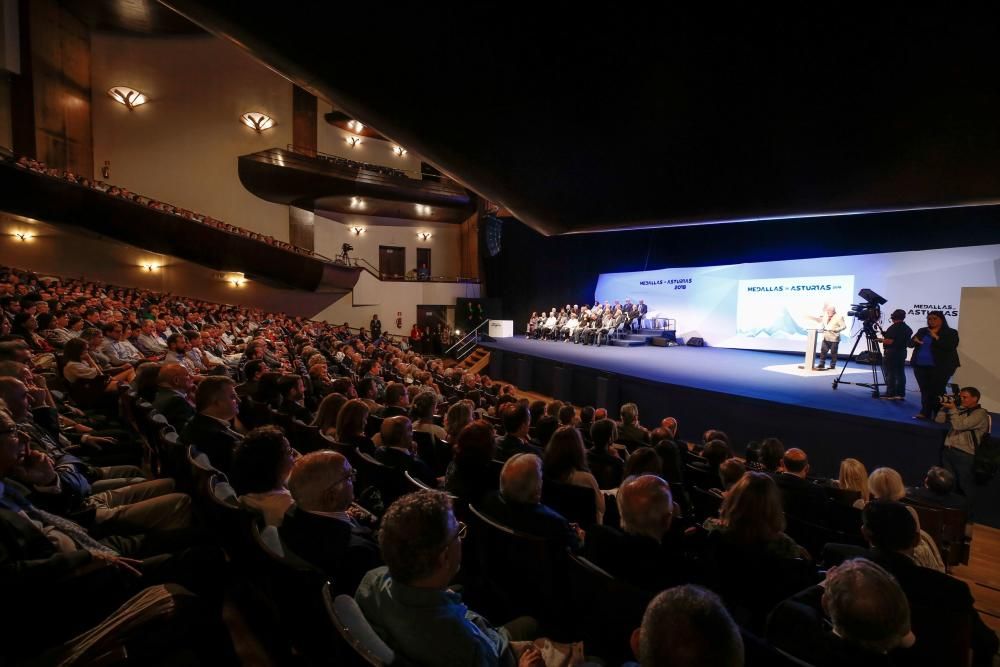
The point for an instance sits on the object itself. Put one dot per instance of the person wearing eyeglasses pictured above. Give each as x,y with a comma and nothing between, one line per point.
408,602
968,422
322,527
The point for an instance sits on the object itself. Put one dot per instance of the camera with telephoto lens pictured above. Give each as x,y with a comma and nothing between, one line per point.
952,398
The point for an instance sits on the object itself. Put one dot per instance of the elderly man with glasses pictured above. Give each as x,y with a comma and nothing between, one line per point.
408,601
322,527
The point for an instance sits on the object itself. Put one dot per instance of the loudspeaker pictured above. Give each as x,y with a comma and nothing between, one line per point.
696,342
658,341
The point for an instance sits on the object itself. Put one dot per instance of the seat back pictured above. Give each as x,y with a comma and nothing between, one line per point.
306,438
433,452
608,633
373,425
706,503
172,454
365,646
522,572
390,482
415,484
947,527
577,503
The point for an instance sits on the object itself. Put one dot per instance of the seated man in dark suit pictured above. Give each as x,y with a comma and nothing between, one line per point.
642,552
174,384
518,504
941,606
253,371
398,450
516,422
319,528
630,431
397,401
938,490
856,617
210,431
292,389
800,496
603,461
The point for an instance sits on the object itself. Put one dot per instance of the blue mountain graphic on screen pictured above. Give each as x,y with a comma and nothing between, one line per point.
784,325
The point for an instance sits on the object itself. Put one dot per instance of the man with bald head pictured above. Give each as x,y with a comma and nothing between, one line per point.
399,451
643,552
800,496
173,395
518,504
319,527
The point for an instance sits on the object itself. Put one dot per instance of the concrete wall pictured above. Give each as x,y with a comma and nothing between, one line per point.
444,244
333,140
385,299
182,146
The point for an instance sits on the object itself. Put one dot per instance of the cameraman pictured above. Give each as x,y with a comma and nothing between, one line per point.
967,423
895,342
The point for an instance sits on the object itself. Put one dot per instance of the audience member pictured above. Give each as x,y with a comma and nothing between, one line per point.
602,459
688,626
516,419
259,471
938,490
320,527
471,474
566,462
211,430
399,451
408,601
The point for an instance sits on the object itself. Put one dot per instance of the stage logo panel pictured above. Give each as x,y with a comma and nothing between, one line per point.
770,305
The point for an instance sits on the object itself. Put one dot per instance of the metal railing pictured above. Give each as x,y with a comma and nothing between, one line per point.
378,173
467,343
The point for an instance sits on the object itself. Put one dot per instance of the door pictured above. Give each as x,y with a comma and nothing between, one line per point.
424,262
391,261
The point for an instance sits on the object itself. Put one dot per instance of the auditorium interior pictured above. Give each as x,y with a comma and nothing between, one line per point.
299,366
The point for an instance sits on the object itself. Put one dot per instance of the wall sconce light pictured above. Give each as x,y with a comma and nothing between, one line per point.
356,126
358,231
237,280
424,236
358,203
354,141
150,268
130,97
399,151
423,209
23,237
257,121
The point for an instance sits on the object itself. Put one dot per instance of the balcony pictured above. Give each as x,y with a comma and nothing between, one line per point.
318,182
51,199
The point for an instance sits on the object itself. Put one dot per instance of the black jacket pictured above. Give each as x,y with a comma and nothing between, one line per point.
510,445
176,409
537,520
395,458
212,437
944,349
345,552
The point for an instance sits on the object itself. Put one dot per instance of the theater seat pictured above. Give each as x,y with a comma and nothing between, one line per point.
364,646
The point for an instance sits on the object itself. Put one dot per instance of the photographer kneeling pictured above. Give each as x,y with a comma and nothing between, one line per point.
968,422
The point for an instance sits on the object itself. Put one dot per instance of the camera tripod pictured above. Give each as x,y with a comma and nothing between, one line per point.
874,352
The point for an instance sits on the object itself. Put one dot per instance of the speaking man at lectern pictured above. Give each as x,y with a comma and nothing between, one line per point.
832,323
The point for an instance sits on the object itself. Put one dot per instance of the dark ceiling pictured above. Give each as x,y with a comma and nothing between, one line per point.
138,17
607,117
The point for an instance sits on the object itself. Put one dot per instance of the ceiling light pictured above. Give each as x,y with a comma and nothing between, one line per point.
423,209
358,203
399,151
354,141
257,121
237,280
130,97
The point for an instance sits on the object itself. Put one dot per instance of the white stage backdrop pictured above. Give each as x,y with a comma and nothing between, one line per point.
768,305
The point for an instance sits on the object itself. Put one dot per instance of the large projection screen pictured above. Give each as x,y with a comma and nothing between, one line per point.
770,305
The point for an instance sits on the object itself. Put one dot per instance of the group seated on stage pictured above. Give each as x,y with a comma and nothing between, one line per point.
331,490
593,325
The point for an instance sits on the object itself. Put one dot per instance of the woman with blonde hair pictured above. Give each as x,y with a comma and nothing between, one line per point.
887,484
854,477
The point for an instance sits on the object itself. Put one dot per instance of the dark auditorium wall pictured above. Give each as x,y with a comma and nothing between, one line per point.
534,271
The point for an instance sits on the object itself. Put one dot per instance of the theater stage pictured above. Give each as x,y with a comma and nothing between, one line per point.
748,394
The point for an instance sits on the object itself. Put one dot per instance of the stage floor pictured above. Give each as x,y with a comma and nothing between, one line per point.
769,376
